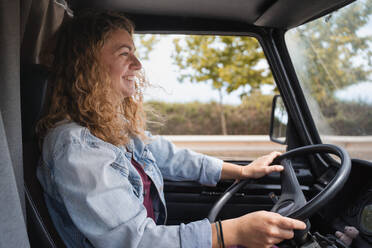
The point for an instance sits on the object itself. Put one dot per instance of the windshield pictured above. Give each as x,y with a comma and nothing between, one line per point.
332,57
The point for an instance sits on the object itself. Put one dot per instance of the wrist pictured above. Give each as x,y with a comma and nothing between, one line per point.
231,231
241,174
245,172
232,171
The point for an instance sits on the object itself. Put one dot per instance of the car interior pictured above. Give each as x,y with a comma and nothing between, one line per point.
328,193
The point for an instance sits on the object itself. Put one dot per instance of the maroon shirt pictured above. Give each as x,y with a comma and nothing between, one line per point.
147,202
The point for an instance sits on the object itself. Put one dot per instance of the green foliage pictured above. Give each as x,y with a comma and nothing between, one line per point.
227,62
250,117
145,44
331,54
353,118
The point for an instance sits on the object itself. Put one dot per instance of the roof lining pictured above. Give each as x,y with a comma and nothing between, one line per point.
261,13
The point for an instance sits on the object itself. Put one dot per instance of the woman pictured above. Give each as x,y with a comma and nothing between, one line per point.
103,174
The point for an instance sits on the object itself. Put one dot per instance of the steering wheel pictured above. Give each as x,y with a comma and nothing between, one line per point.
292,202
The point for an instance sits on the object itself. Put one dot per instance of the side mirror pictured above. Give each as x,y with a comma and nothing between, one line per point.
279,121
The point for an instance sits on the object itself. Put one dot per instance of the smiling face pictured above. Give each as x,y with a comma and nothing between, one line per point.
118,56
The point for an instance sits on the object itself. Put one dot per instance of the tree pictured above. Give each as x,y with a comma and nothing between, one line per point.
145,44
330,54
227,62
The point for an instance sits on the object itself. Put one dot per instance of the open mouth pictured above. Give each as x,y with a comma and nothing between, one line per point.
129,78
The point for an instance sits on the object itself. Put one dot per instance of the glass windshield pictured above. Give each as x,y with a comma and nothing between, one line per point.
332,57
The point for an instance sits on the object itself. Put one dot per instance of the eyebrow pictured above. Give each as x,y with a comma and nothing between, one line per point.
125,46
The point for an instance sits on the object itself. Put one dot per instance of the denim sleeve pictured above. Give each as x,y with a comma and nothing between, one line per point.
183,164
101,202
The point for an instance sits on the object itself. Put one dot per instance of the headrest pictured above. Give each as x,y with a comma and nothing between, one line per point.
33,89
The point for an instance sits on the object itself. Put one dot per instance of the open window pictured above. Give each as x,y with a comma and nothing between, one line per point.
210,93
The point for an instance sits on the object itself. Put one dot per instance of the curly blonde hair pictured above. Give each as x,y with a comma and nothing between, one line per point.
80,88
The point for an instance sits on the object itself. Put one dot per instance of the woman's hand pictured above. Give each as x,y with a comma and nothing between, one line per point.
260,229
261,166
258,168
265,229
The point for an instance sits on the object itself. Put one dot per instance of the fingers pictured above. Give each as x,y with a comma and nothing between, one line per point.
289,223
274,168
274,154
270,242
267,228
261,166
275,232
274,241
285,234
282,228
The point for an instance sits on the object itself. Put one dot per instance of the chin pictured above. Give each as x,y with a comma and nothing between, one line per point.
127,94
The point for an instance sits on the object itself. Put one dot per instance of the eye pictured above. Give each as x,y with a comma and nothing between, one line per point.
124,54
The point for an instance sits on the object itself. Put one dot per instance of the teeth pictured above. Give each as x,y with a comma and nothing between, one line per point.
130,78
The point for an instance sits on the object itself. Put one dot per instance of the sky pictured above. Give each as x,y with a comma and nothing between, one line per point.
162,74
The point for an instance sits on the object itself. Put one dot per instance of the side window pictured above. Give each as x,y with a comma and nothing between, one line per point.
333,61
212,94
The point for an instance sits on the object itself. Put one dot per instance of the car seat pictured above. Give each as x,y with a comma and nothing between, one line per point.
40,227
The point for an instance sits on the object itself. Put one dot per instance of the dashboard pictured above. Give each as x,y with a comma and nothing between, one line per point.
351,207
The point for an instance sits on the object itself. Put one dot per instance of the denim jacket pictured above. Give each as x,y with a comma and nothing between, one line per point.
95,196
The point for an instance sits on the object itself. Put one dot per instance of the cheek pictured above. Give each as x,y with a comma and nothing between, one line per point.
116,66
117,70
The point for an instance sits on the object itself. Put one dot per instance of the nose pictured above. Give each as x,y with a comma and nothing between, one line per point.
135,64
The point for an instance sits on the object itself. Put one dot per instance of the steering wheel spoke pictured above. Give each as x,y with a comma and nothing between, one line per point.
302,209
291,197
